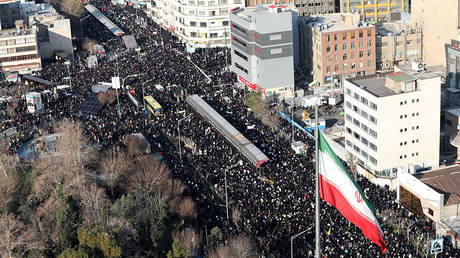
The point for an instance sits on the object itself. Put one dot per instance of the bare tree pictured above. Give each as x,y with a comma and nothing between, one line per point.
136,145
51,172
94,205
71,144
148,174
8,181
242,246
70,7
222,251
172,188
114,165
351,161
236,217
15,238
102,98
187,208
111,96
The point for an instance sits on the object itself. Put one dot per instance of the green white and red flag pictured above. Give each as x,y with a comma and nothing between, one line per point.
339,188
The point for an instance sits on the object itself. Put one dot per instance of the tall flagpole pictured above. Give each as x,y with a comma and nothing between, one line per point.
317,228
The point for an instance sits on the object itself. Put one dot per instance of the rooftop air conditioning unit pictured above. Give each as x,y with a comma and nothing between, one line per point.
418,66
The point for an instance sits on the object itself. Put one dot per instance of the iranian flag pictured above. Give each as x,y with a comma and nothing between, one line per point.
338,187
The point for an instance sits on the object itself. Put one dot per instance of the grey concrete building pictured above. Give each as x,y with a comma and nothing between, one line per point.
309,7
263,49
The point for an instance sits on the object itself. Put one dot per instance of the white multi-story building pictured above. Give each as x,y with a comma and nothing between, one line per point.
203,23
19,51
392,123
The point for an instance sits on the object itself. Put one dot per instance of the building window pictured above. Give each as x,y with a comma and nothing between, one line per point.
345,67
364,127
373,133
328,49
373,146
241,68
202,24
336,37
361,54
373,119
364,154
369,33
364,141
328,69
336,47
344,57
369,63
353,45
361,34
276,51
239,41
369,52
361,64
353,66
348,117
240,55
369,43
238,28
344,36
364,101
344,46
275,37
328,38
361,44
373,160
352,35
352,55
225,23
348,92
364,114
373,106
193,24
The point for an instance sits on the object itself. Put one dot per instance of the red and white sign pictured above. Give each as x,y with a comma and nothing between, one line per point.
250,85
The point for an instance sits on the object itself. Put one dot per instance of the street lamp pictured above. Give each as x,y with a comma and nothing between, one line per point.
178,132
292,240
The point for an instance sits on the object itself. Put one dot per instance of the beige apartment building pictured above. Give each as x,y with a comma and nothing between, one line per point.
440,24
19,51
397,43
375,10
336,47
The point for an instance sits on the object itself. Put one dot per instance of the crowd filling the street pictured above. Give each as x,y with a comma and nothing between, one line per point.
276,200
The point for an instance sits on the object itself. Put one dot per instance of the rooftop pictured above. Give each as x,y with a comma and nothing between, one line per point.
374,85
336,22
445,181
397,27
14,32
401,77
263,9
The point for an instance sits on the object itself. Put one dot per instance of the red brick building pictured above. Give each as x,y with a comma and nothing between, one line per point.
337,46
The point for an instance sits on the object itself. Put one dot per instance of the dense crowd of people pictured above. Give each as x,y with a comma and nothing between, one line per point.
276,200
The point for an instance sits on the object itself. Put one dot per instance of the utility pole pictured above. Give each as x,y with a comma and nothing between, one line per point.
116,89
317,210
